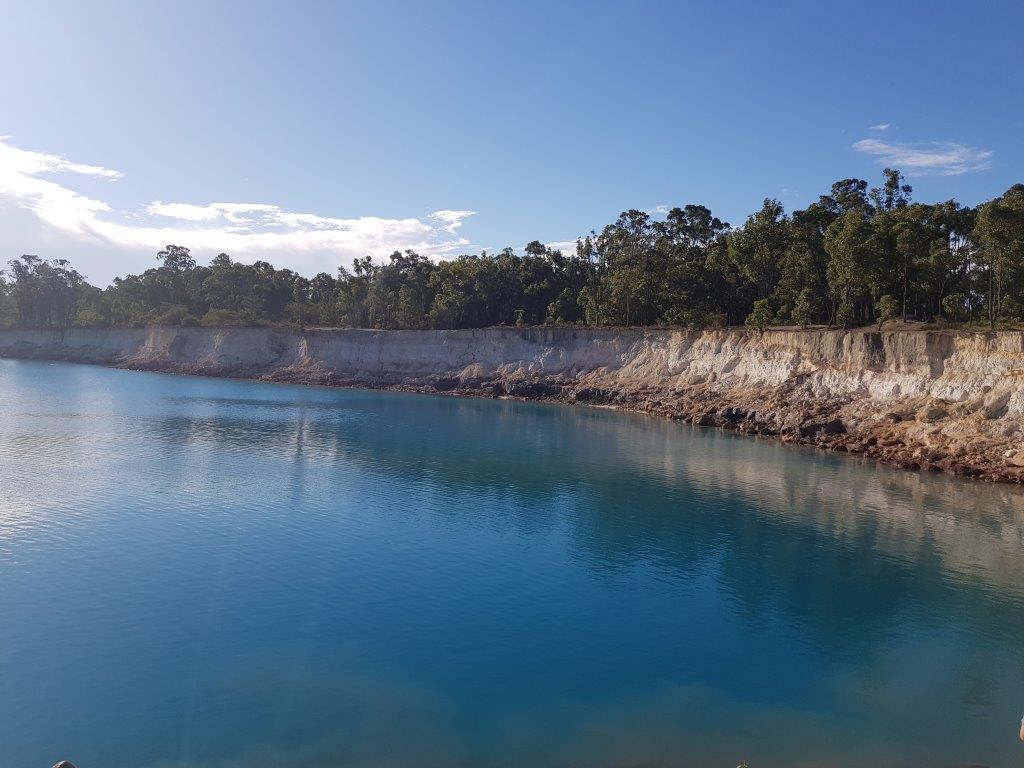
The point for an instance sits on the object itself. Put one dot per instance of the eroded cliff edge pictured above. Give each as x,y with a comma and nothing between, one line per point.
945,401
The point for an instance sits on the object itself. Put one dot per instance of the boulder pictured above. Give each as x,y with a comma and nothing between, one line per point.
933,411
733,415
531,389
829,428
995,406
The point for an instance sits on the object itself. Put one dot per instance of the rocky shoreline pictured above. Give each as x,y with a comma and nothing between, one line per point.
936,401
821,424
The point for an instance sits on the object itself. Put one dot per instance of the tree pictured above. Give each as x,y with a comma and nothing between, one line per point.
45,292
635,269
565,310
893,194
299,307
535,248
174,258
951,264
761,316
847,195
844,313
685,238
850,244
803,308
954,306
843,259
759,245
886,309
999,232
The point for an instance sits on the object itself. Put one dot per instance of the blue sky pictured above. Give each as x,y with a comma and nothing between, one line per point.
332,130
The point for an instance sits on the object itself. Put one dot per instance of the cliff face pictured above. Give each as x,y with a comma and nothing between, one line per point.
923,399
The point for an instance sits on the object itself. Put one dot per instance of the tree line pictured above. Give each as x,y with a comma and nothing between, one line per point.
857,255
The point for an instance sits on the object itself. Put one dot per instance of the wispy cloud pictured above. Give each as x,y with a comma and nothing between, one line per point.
35,163
245,230
450,221
880,127
941,158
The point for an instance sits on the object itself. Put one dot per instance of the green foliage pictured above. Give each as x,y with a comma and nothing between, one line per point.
761,317
855,255
45,293
757,247
1010,309
954,306
844,313
851,272
91,317
565,310
217,318
803,309
886,309
175,315
999,233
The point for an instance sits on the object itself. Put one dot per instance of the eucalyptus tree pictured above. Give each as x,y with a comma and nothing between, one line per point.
45,292
894,193
803,264
635,268
685,238
833,261
849,241
757,246
999,232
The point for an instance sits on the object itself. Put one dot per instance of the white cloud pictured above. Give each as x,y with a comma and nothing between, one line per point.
34,163
942,158
450,220
567,247
880,127
247,231
184,211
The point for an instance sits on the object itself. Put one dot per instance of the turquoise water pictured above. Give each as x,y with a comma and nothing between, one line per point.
212,573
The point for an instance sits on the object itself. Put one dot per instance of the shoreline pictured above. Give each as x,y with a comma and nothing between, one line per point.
936,401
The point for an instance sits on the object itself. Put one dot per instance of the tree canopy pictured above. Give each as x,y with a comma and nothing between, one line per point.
856,256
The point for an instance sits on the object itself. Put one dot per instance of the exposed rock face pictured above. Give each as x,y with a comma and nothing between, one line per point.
941,401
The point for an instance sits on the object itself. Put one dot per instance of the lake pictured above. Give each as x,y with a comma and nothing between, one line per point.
217,574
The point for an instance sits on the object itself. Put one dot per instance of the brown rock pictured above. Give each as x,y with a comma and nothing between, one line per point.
934,411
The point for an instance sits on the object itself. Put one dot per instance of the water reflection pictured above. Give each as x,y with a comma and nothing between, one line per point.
836,518
285,573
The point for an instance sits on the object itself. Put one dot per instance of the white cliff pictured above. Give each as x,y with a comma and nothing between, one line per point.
952,401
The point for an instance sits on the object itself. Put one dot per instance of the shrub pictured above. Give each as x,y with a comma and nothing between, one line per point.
803,308
225,317
886,309
844,313
955,306
761,316
176,315
90,317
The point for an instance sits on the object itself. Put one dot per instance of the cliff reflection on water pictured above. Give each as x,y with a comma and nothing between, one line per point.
301,568
968,531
